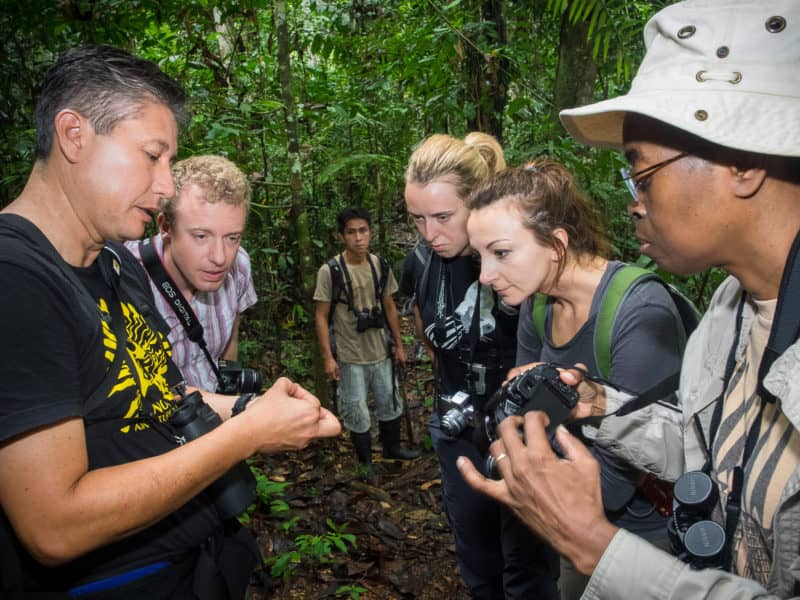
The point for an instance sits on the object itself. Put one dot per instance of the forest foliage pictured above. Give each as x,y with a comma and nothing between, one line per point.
321,102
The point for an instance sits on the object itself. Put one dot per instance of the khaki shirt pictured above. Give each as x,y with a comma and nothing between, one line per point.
353,347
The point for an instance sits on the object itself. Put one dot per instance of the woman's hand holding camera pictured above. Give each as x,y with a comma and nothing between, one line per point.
516,371
591,395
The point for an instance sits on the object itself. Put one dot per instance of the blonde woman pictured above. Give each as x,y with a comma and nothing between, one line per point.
472,333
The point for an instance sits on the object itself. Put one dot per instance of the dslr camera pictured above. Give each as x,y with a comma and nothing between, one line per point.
539,388
234,379
694,537
369,319
459,413
235,490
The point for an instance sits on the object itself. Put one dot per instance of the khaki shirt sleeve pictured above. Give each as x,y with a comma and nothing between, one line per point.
633,568
322,292
650,439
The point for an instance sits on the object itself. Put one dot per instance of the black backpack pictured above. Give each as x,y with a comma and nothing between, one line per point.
342,284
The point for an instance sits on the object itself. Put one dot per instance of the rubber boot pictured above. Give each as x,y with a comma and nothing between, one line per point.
390,438
362,443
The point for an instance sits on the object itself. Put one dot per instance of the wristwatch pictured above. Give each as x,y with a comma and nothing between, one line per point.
241,403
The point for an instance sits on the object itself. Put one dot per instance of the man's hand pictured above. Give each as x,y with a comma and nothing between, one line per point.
288,417
559,499
331,368
400,354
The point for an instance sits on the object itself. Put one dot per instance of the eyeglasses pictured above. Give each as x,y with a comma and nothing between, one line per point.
635,181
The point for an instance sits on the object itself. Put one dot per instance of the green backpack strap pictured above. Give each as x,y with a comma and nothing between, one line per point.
621,281
538,312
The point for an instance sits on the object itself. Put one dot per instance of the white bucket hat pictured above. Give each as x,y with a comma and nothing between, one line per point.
727,71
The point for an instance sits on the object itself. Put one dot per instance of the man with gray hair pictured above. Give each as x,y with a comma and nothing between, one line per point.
103,491
711,128
199,247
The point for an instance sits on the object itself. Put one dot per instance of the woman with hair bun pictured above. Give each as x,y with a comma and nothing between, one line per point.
537,234
472,335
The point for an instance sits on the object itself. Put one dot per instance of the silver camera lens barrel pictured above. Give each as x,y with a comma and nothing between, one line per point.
453,422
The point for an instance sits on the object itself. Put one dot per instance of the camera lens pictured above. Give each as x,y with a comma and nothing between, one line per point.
249,381
183,415
453,422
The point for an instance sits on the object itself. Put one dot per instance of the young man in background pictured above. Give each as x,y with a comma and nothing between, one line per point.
354,300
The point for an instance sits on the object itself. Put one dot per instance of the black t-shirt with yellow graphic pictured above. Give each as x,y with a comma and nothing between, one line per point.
57,349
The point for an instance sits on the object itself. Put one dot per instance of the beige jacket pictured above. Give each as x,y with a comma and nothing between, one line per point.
666,443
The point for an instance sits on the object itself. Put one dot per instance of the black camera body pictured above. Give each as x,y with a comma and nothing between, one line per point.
234,379
236,489
539,388
694,537
369,319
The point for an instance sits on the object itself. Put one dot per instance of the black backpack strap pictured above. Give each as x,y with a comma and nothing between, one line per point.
422,282
786,323
421,253
336,292
338,286
384,277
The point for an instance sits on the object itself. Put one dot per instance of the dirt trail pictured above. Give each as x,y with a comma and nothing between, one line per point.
404,545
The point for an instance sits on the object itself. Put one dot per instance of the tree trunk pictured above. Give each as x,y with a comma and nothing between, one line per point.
298,215
576,71
497,67
487,71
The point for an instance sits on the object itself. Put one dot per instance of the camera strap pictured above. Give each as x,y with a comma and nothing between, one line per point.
653,395
734,501
348,282
180,306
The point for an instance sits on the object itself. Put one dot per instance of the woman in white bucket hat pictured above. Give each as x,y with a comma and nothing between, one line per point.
711,127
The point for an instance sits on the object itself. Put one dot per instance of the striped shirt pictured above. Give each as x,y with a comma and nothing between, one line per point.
772,462
216,311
